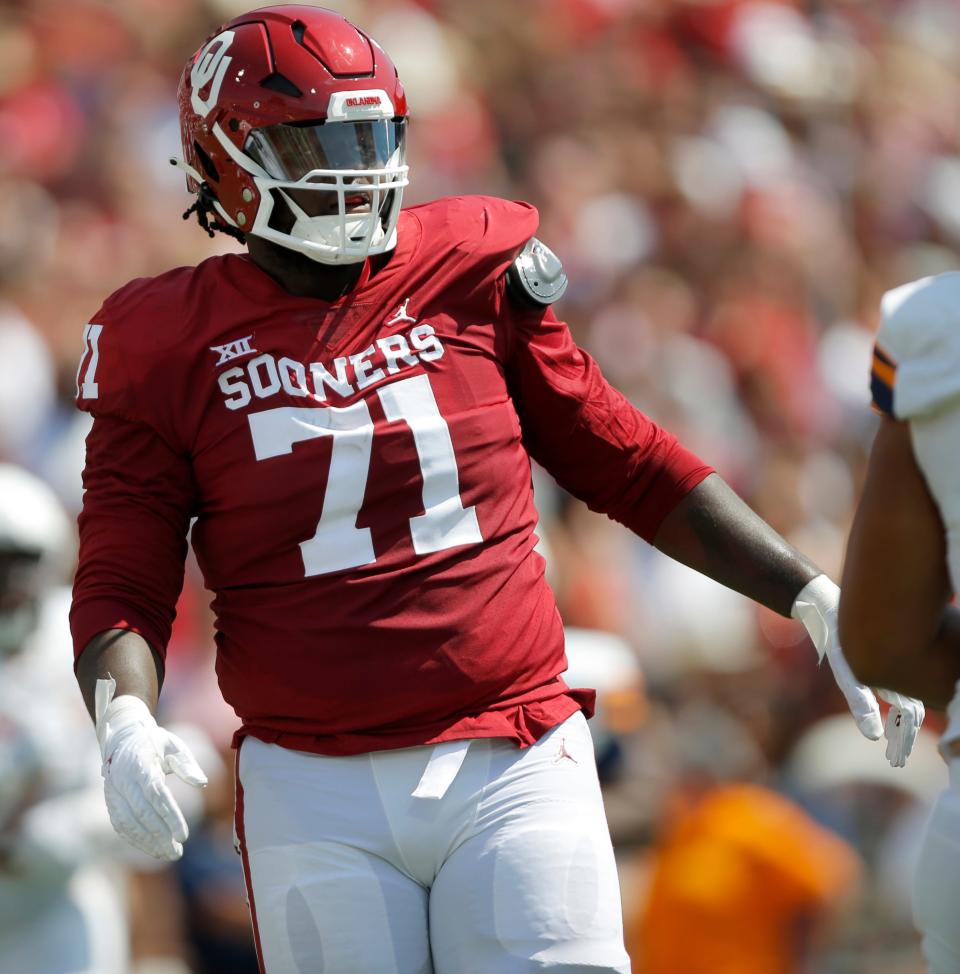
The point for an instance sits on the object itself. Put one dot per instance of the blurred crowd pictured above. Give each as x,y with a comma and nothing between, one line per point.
731,185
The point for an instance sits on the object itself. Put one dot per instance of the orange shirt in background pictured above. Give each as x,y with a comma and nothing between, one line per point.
736,884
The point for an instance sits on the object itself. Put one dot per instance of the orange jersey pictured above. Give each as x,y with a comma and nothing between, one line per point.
736,881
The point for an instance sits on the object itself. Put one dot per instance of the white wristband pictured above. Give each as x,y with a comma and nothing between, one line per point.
821,591
819,597
111,710
102,696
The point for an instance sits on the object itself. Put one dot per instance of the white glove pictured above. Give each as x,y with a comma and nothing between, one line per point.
137,754
904,720
816,607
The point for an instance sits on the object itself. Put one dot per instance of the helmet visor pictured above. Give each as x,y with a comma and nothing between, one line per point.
290,152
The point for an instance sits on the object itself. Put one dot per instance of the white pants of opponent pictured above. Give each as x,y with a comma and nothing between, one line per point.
936,893
499,865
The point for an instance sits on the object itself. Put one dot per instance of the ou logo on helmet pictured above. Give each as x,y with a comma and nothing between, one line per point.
210,67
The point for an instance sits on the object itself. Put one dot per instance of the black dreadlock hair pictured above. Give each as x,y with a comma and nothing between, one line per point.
207,216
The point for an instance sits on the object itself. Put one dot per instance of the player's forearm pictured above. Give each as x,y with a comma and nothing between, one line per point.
128,659
715,532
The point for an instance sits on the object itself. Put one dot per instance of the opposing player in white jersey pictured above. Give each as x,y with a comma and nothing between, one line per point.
903,562
60,910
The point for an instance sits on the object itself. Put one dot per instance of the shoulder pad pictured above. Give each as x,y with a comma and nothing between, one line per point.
920,335
536,279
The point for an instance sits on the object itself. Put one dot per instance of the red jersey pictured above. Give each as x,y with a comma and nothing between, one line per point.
358,478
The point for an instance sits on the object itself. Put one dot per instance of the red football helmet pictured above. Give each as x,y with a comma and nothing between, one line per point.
293,125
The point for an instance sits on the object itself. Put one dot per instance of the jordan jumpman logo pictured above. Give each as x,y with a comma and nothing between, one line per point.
402,315
564,753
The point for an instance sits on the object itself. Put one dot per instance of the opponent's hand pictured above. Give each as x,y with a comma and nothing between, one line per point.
904,720
816,607
137,755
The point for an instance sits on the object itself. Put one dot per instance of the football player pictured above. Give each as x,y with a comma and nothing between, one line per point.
61,906
346,415
903,562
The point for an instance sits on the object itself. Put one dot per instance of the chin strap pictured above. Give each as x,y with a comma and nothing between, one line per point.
205,205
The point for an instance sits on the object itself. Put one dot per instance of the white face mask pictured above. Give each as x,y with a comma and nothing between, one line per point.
343,157
16,627
327,230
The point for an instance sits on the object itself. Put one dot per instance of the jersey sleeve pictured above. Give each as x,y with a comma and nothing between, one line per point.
137,355
596,444
916,364
138,499
103,372
138,484
883,380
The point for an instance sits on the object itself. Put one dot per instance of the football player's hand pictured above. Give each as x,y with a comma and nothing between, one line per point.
816,607
137,755
904,720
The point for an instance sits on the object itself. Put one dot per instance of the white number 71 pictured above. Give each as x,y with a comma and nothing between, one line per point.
338,543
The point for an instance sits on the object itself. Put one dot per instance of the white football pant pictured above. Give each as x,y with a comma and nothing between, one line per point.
510,870
936,893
